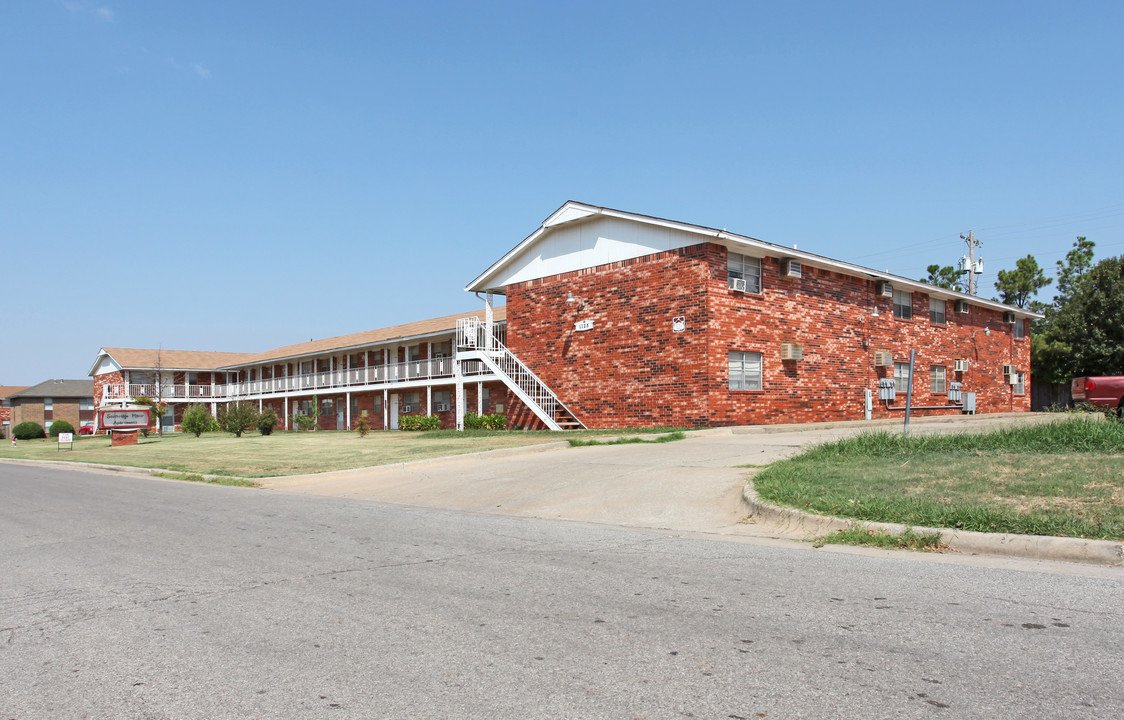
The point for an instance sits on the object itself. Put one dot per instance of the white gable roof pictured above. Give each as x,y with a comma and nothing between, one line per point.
579,236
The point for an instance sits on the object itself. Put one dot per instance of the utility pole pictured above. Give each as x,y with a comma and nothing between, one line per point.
969,264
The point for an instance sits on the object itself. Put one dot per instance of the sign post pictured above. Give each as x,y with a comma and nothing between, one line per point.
68,439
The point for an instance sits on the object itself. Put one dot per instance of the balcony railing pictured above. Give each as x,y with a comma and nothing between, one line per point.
335,379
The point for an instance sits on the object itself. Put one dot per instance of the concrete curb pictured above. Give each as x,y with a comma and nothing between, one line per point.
1038,547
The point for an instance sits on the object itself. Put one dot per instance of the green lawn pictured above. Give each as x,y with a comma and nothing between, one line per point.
284,453
1064,478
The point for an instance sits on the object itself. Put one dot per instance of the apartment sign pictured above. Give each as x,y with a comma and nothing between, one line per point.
583,325
125,419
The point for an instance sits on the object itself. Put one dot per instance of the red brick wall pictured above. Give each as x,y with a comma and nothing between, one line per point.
632,369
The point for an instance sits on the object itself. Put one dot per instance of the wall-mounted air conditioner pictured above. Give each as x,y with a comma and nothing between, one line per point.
883,358
1010,370
962,306
407,408
791,351
960,366
736,284
441,407
1009,318
884,288
791,268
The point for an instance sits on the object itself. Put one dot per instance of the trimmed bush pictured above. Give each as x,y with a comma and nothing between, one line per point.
28,431
362,427
267,420
238,417
303,422
60,426
419,422
197,420
472,421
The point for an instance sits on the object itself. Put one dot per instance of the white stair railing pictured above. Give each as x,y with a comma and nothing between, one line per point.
473,343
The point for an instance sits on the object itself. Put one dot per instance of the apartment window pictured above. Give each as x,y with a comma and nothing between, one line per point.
86,404
936,311
48,404
936,379
1020,384
484,397
745,268
411,402
378,404
305,408
306,367
901,377
1020,329
443,349
745,371
413,352
327,406
903,304
442,399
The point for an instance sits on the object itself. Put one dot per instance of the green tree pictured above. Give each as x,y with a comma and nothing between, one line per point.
196,419
158,408
1072,271
946,276
1085,335
267,420
1019,286
238,417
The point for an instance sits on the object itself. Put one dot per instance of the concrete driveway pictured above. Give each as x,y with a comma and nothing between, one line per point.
692,485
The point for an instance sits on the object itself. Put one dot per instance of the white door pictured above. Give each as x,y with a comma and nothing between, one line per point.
394,412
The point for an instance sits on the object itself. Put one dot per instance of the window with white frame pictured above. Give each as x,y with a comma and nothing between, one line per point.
443,349
903,304
1020,329
936,311
48,404
442,400
745,268
413,352
412,401
1020,384
937,379
745,370
901,377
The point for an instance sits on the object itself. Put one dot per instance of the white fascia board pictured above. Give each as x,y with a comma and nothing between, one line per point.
103,355
572,211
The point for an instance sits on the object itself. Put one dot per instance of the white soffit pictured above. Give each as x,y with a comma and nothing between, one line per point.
579,245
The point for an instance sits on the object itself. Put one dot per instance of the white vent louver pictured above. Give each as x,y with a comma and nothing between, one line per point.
884,288
883,358
791,268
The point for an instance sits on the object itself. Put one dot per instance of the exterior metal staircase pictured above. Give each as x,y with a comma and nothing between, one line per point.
474,343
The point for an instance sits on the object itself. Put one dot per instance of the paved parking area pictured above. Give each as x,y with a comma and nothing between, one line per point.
693,485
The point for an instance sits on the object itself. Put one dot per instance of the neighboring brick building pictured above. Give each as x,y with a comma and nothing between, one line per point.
614,319
6,408
52,400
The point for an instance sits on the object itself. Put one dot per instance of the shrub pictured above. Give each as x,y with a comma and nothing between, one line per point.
362,427
28,431
419,422
197,419
267,420
472,421
60,426
238,417
303,422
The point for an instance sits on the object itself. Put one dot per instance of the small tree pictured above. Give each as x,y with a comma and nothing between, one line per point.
238,417
1019,286
267,420
946,277
362,427
158,409
197,419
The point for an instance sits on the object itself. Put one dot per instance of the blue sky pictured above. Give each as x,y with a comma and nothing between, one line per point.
244,175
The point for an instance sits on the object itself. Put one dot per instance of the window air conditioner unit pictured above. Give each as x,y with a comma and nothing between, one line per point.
962,306
737,284
441,407
1010,370
791,268
1009,318
407,408
791,351
1013,379
960,366
883,359
884,288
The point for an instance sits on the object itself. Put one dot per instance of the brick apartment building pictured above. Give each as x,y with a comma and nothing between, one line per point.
51,400
614,319
6,408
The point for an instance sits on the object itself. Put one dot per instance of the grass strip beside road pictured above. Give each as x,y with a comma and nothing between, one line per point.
1064,478
285,453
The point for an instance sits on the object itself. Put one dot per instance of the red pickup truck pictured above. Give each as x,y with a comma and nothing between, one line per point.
1104,392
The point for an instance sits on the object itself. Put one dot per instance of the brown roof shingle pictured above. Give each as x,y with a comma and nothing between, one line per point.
175,359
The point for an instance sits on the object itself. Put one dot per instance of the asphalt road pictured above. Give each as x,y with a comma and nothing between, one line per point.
129,597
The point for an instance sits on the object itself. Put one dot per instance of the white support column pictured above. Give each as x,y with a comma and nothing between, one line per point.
428,399
259,406
488,321
348,410
385,409
479,398
287,427
459,399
